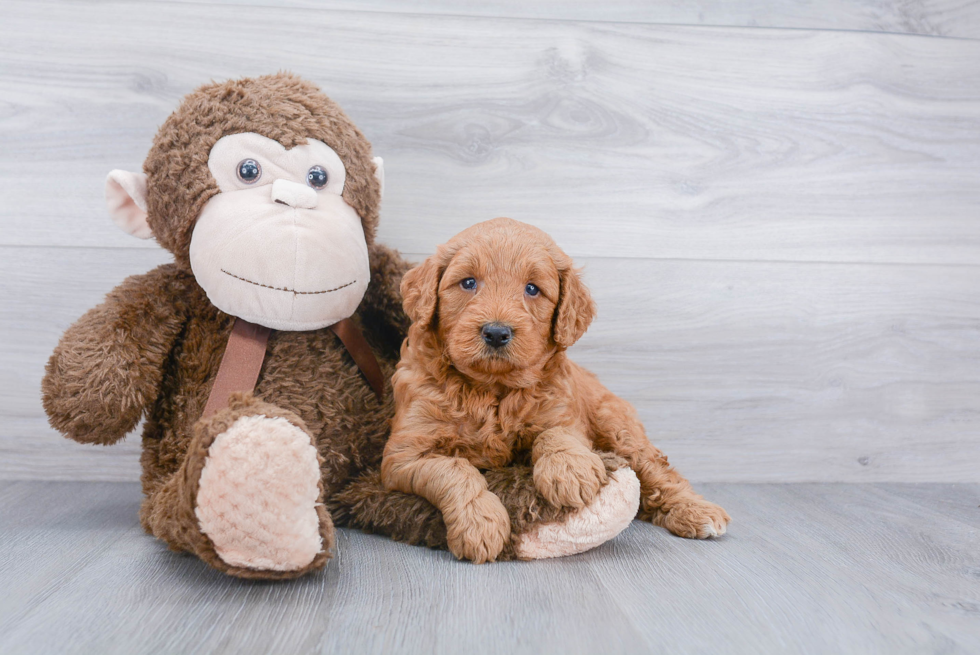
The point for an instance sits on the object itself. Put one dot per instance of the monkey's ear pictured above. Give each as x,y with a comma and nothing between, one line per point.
420,291
379,172
125,196
575,310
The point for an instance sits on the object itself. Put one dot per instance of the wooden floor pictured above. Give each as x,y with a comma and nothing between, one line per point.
806,568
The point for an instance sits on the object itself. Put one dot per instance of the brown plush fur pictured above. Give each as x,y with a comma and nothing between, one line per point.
282,107
152,349
463,406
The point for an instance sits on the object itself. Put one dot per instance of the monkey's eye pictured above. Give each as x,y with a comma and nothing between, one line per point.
249,171
468,284
317,177
531,289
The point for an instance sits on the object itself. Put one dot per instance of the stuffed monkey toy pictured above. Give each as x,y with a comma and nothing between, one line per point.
261,357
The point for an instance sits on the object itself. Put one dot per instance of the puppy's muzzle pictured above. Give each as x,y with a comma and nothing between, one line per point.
496,335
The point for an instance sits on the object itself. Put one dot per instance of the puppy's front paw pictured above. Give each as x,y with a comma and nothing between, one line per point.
569,478
479,530
696,520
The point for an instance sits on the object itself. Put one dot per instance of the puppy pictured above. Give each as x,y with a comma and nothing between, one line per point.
484,375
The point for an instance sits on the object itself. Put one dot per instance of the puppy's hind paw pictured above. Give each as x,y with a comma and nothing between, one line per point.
696,520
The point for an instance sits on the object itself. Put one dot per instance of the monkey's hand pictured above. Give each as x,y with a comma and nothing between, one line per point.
106,370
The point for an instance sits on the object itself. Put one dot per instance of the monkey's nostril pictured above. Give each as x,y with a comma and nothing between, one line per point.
298,196
496,335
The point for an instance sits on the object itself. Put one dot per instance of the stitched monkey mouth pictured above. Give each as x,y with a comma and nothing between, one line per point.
293,291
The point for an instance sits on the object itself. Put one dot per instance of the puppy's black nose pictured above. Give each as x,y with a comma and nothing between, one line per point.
496,335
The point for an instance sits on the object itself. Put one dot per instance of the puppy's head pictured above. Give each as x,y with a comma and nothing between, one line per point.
500,298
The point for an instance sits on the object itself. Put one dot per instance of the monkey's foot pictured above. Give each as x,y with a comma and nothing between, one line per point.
258,497
609,513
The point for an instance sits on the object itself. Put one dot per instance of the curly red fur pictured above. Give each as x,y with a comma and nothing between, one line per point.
462,406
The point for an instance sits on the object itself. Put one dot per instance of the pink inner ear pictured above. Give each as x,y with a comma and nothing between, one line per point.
125,196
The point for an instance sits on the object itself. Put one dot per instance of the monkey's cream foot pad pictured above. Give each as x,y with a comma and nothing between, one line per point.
257,495
609,514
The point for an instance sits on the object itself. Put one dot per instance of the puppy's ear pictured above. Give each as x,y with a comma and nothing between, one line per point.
575,309
420,291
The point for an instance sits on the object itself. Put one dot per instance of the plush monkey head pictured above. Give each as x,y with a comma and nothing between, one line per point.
267,191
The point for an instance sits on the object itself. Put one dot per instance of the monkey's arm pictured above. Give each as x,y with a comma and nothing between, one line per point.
106,370
381,308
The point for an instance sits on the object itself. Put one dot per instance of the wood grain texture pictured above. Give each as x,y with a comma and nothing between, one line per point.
958,503
779,225
925,17
673,142
804,569
740,371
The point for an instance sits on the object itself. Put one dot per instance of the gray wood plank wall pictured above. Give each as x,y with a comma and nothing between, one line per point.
777,204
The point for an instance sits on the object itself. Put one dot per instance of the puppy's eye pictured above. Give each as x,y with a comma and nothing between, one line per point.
469,284
317,177
531,289
249,171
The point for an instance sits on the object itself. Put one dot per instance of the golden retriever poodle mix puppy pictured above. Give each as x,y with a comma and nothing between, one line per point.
484,377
